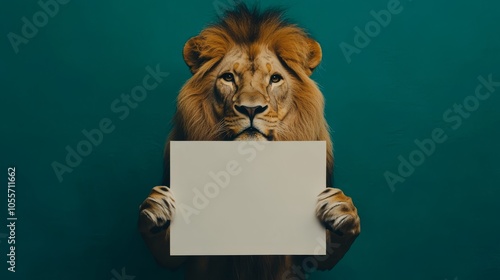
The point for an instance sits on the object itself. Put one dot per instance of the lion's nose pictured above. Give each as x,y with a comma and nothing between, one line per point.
250,111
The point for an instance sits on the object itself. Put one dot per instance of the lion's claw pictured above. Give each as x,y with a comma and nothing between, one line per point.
337,212
156,211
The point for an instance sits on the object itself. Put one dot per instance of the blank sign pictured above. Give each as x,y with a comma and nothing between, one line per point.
247,198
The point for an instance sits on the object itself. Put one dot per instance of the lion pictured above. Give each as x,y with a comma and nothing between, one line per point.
251,81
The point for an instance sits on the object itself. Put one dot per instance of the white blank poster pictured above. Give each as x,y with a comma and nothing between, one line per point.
247,198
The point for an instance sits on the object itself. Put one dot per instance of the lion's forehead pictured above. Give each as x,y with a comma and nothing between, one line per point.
243,60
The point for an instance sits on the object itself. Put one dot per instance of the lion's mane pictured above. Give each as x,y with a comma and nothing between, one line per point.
195,118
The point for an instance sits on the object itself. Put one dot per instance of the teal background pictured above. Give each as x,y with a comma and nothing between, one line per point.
440,223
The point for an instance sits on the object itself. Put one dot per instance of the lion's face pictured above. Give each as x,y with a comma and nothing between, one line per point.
251,81
252,94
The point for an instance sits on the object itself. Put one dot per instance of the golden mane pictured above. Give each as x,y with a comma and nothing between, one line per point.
195,118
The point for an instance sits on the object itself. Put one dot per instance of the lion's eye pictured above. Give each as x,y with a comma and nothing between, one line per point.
276,78
228,77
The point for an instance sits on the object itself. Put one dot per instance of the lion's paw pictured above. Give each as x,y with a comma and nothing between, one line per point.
156,211
337,212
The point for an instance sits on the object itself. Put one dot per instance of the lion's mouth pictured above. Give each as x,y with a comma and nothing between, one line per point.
253,131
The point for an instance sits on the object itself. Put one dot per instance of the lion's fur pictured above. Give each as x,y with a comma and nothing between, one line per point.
197,116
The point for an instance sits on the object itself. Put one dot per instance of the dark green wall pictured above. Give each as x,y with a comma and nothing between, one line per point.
440,222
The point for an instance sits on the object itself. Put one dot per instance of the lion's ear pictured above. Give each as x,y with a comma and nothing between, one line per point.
192,53
298,51
315,54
